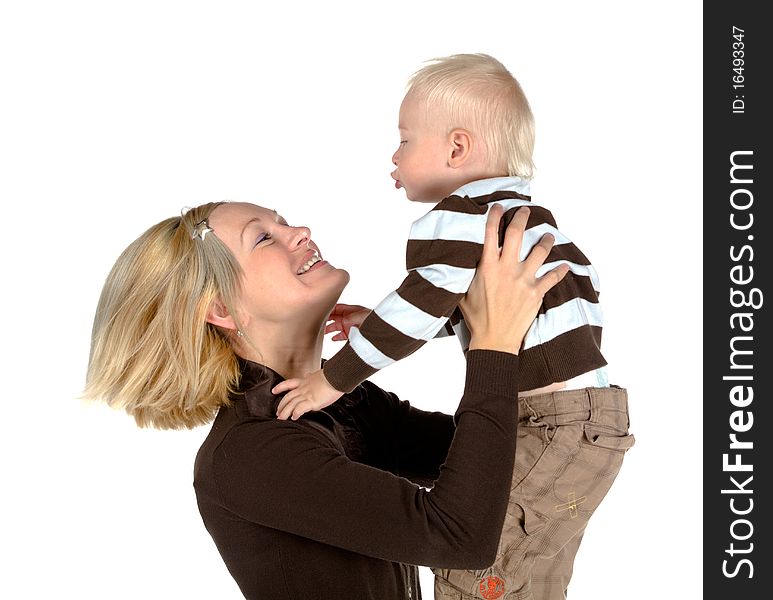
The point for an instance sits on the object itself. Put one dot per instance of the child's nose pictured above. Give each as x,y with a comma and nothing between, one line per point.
394,157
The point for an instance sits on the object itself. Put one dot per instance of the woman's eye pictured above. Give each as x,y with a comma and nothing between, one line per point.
262,238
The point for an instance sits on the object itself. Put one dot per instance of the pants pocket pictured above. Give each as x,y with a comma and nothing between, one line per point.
562,490
602,437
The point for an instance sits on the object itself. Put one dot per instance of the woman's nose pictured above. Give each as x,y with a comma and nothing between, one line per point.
300,235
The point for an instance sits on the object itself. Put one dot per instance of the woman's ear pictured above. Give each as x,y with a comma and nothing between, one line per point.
461,146
219,316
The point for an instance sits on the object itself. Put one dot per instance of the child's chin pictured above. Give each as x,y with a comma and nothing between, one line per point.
421,199
413,196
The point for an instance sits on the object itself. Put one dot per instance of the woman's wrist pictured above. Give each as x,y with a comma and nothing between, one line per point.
494,342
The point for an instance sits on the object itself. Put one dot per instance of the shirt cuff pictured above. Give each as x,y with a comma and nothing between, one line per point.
492,372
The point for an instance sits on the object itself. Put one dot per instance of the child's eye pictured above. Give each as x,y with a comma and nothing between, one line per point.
403,142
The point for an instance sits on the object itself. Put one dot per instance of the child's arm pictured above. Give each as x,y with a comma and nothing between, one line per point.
441,267
394,326
440,272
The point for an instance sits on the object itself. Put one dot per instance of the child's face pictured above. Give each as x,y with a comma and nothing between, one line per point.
422,156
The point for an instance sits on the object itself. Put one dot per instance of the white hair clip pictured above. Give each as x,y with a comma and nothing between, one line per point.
200,230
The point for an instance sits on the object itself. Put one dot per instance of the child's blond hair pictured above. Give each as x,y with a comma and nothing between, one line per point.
153,353
477,93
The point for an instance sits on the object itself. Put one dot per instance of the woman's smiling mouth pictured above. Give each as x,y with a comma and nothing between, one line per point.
314,259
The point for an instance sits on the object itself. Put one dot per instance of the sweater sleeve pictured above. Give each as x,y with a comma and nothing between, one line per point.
285,477
401,438
440,270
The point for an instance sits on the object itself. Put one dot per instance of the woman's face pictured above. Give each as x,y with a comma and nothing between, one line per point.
285,277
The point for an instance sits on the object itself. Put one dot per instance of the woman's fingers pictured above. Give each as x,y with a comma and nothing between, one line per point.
551,278
506,293
539,253
511,248
491,236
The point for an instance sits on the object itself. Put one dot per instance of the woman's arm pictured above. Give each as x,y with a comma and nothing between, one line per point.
284,476
403,439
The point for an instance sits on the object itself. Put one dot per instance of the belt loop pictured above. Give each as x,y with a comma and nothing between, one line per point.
624,393
594,404
532,413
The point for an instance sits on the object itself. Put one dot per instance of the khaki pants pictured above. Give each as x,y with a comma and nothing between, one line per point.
570,448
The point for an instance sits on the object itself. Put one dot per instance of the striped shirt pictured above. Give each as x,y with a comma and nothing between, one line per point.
443,251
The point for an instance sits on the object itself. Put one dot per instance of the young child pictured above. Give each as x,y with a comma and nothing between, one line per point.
466,141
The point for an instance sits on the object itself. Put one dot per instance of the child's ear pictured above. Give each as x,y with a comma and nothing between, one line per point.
218,315
460,151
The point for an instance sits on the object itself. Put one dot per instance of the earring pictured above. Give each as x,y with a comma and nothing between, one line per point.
239,333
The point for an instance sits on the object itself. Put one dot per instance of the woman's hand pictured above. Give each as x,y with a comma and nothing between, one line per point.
506,294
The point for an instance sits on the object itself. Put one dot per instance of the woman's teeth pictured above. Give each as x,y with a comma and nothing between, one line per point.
310,263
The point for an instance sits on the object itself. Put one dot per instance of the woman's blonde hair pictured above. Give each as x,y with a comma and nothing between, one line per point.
153,353
477,93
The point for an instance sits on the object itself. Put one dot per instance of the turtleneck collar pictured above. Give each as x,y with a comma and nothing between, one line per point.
255,385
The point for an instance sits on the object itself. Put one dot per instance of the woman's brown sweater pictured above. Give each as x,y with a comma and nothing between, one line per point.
332,506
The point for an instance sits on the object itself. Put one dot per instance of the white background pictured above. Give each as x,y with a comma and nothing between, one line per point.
115,116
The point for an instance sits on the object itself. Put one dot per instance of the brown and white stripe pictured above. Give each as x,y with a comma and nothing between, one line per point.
444,248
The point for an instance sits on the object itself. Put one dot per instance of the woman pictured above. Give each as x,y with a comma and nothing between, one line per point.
205,314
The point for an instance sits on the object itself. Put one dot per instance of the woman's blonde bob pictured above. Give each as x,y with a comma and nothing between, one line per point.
153,353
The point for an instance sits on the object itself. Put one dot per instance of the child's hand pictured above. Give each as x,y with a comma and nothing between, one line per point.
310,393
343,318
